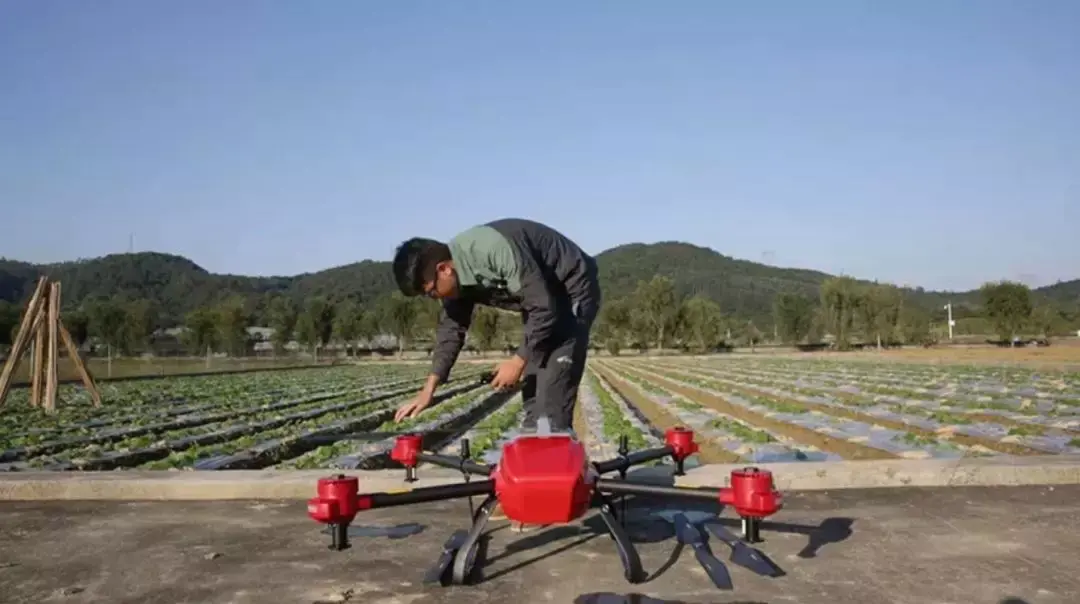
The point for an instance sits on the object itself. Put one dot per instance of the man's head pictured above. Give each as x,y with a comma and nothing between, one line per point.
425,267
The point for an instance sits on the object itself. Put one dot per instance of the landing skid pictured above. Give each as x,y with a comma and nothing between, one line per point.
459,552
632,569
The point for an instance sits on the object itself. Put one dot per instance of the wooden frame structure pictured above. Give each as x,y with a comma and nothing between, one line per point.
41,323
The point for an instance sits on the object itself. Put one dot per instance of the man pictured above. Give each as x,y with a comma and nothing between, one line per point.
512,264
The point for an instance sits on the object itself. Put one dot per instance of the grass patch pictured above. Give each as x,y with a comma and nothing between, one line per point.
741,431
1027,431
916,440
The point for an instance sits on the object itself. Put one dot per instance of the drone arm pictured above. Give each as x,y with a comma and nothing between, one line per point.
621,487
368,501
455,463
639,457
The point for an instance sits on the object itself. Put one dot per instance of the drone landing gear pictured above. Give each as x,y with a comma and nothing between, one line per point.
632,569
751,528
460,551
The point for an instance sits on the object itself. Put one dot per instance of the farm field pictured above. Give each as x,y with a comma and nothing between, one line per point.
743,408
126,368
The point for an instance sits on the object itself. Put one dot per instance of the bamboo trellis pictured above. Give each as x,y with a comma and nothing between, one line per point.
41,331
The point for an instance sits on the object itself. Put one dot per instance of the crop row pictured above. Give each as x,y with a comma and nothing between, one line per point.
941,378
195,425
856,429
1058,401
131,404
741,411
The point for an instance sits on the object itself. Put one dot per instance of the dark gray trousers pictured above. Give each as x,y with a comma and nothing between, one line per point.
550,385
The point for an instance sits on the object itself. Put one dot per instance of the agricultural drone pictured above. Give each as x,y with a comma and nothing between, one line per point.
546,478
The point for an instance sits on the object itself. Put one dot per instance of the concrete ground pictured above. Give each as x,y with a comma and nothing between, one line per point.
963,545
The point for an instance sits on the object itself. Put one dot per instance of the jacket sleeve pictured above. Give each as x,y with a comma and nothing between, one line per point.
454,323
539,306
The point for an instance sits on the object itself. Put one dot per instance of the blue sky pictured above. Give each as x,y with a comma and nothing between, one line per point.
901,141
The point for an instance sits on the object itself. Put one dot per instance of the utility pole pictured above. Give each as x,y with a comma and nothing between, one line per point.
948,307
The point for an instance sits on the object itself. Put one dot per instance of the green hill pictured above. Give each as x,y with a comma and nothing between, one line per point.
178,285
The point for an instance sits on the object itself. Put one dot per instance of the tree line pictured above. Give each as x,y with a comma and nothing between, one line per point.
844,314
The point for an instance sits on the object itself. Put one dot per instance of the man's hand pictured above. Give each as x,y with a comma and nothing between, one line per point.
412,409
508,373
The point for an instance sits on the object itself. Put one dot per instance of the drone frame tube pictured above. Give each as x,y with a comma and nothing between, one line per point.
455,463
427,494
622,487
623,463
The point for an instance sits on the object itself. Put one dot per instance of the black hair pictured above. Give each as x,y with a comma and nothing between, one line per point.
415,261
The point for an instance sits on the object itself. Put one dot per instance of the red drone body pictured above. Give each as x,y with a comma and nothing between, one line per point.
544,479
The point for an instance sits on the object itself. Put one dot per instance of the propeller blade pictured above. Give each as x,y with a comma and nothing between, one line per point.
691,535
744,555
718,573
686,533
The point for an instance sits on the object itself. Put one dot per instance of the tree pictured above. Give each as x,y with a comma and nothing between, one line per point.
346,322
839,300
614,324
367,325
140,321
656,306
1007,305
202,333
794,316
484,327
1046,321
281,317
398,314
107,322
878,309
231,323
10,317
751,335
701,322
77,323
913,325
510,331
315,326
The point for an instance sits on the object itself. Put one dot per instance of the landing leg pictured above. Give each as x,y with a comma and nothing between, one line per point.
751,528
339,536
466,554
631,562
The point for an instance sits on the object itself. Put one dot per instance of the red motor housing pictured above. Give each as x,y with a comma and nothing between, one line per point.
752,493
406,447
337,501
681,440
544,479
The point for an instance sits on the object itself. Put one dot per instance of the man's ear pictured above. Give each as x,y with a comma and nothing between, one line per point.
445,267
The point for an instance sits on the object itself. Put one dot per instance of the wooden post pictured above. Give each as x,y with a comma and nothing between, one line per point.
53,354
22,339
43,325
80,368
39,356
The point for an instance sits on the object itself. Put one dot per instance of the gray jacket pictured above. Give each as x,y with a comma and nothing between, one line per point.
522,266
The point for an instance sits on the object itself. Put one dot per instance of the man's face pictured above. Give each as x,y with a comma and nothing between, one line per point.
445,284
